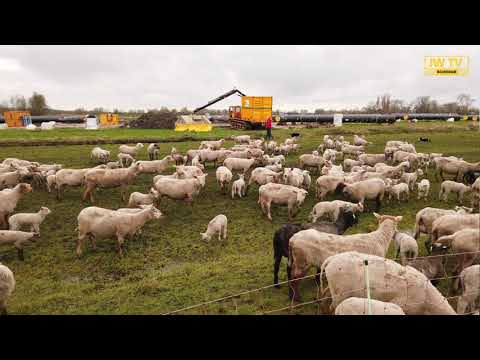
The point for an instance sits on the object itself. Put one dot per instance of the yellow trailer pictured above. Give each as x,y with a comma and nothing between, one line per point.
14,118
109,119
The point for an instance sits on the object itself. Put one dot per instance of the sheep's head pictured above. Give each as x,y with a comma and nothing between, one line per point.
24,188
169,158
153,211
45,211
204,236
139,146
301,194
154,193
382,218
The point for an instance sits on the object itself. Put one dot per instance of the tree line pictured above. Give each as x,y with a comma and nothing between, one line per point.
384,104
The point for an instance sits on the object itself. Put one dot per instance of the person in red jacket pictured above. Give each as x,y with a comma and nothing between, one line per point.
268,126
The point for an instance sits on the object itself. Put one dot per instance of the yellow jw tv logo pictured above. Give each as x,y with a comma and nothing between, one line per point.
446,65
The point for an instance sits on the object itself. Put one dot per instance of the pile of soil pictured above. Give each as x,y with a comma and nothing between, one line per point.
155,120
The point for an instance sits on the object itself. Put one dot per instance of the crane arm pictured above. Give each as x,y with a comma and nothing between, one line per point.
221,97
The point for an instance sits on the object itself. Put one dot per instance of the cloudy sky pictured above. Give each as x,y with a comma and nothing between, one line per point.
298,77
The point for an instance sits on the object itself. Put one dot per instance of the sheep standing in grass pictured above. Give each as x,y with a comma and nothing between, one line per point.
7,285
449,186
406,247
224,177
131,150
125,159
239,186
423,189
51,182
33,220
218,225
152,151
397,190
137,198
470,283
18,239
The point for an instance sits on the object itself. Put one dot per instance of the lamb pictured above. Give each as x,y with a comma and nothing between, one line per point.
239,164
179,158
352,150
96,223
330,169
311,248
218,225
277,168
327,184
152,151
470,283
310,160
371,189
408,148
295,176
100,154
393,171
214,145
254,153
239,186
51,182
397,190
18,239
192,153
359,141
69,177
180,189
359,306
329,155
408,288
282,236
7,285
406,247
137,198
423,189
411,178
125,159
333,209
130,150
213,155
224,178
107,178
33,220
9,199
113,165
155,166
241,138
449,186
280,194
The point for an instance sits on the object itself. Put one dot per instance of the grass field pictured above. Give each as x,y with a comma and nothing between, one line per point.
169,267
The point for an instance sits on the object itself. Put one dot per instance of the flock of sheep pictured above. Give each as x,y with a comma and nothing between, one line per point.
361,177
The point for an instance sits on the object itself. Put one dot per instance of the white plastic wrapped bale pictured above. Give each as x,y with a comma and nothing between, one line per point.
47,125
31,127
91,124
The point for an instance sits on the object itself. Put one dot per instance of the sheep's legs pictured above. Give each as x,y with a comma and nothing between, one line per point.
276,268
120,239
20,254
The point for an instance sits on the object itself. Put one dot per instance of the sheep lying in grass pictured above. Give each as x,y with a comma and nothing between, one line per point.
218,225
423,189
239,186
7,285
406,247
449,187
33,220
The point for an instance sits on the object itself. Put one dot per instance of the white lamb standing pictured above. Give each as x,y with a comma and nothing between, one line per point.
405,246
33,220
239,186
218,225
423,189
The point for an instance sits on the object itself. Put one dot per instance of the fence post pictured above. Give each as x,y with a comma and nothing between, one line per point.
367,285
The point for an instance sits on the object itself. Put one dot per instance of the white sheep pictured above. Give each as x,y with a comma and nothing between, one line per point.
449,186
224,177
239,186
137,198
411,178
218,225
397,190
406,247
7,285
332,209
125,159
423,189
470,283
29,219
51,182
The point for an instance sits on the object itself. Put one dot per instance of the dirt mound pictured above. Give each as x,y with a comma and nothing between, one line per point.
155,120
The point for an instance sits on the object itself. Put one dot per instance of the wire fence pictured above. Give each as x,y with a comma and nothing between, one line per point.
319,299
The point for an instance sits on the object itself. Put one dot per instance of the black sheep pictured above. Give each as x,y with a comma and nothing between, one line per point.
470,176
282,236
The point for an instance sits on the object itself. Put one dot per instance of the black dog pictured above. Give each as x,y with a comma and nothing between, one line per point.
295,135
470,176
424,139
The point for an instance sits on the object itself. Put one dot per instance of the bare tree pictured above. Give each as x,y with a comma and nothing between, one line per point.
464,102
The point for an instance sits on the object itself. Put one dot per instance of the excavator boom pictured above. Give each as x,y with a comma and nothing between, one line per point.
221,97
